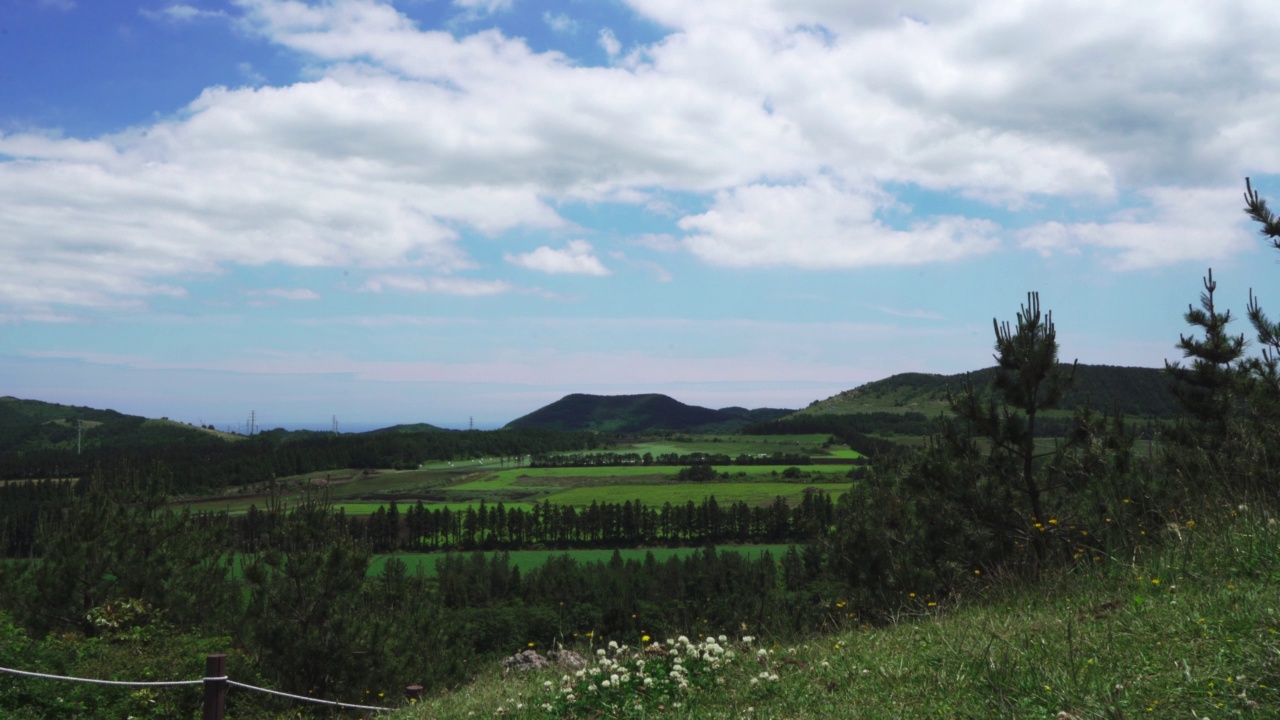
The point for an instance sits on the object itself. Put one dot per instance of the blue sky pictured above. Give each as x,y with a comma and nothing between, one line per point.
432,211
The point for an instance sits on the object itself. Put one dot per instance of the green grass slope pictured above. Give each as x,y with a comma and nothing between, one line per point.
1189,629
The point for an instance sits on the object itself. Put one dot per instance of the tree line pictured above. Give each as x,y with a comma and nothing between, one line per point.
629,524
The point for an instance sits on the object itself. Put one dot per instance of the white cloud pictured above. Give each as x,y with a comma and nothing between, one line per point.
181,12
820,226
439,285
610,43
561,23
251,75
575,258
1178,225
286,293
403,142
484,7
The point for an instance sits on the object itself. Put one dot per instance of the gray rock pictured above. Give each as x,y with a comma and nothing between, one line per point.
566,659
524,662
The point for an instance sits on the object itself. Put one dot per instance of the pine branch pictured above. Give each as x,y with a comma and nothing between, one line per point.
1256,208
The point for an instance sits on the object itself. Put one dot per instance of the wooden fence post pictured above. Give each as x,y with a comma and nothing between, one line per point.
215,691
413,693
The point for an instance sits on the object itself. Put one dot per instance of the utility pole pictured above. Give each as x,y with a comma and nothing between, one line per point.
471,423
335,424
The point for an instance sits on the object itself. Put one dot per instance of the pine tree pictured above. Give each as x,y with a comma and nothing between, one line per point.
1207,388
1264,372
1028,378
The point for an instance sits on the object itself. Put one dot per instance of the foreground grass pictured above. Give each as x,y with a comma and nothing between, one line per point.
1191,629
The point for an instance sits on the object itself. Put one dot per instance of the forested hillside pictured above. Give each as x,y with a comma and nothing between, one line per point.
625,414
34,426
1136,392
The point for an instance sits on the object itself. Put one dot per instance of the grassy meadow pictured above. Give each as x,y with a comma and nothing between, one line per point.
1188,627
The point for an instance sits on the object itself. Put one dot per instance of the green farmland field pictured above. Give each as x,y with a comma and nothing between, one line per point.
529,559
752,493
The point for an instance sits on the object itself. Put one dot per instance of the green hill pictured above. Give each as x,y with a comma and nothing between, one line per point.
33,425
639,413
406,429
1137,392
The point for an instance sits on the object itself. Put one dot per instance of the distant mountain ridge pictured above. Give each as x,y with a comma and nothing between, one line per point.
649,412
1135,391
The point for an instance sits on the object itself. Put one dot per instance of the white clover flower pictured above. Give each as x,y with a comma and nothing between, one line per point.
548,684
675,675
722,638
748,639
670,641
729,654
762,653
648,682
600,652
826,664
755,681
604,684
773,678
764,675
683,639
580,673
592,687
614,678
613,644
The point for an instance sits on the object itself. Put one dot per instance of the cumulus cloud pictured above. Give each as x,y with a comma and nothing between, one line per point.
401,142
1177,225
610,43
819,225
576,258
560,22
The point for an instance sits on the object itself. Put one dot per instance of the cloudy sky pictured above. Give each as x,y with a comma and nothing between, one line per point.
424,210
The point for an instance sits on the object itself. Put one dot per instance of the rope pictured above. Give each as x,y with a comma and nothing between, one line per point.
307,699
105,682
202,681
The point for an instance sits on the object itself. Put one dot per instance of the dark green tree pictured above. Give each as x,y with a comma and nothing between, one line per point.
1028,379
1207,388
1265,371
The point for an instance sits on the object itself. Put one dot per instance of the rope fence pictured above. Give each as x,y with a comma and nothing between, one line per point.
215,684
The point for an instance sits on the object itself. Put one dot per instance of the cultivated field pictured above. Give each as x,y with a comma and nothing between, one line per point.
461,484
